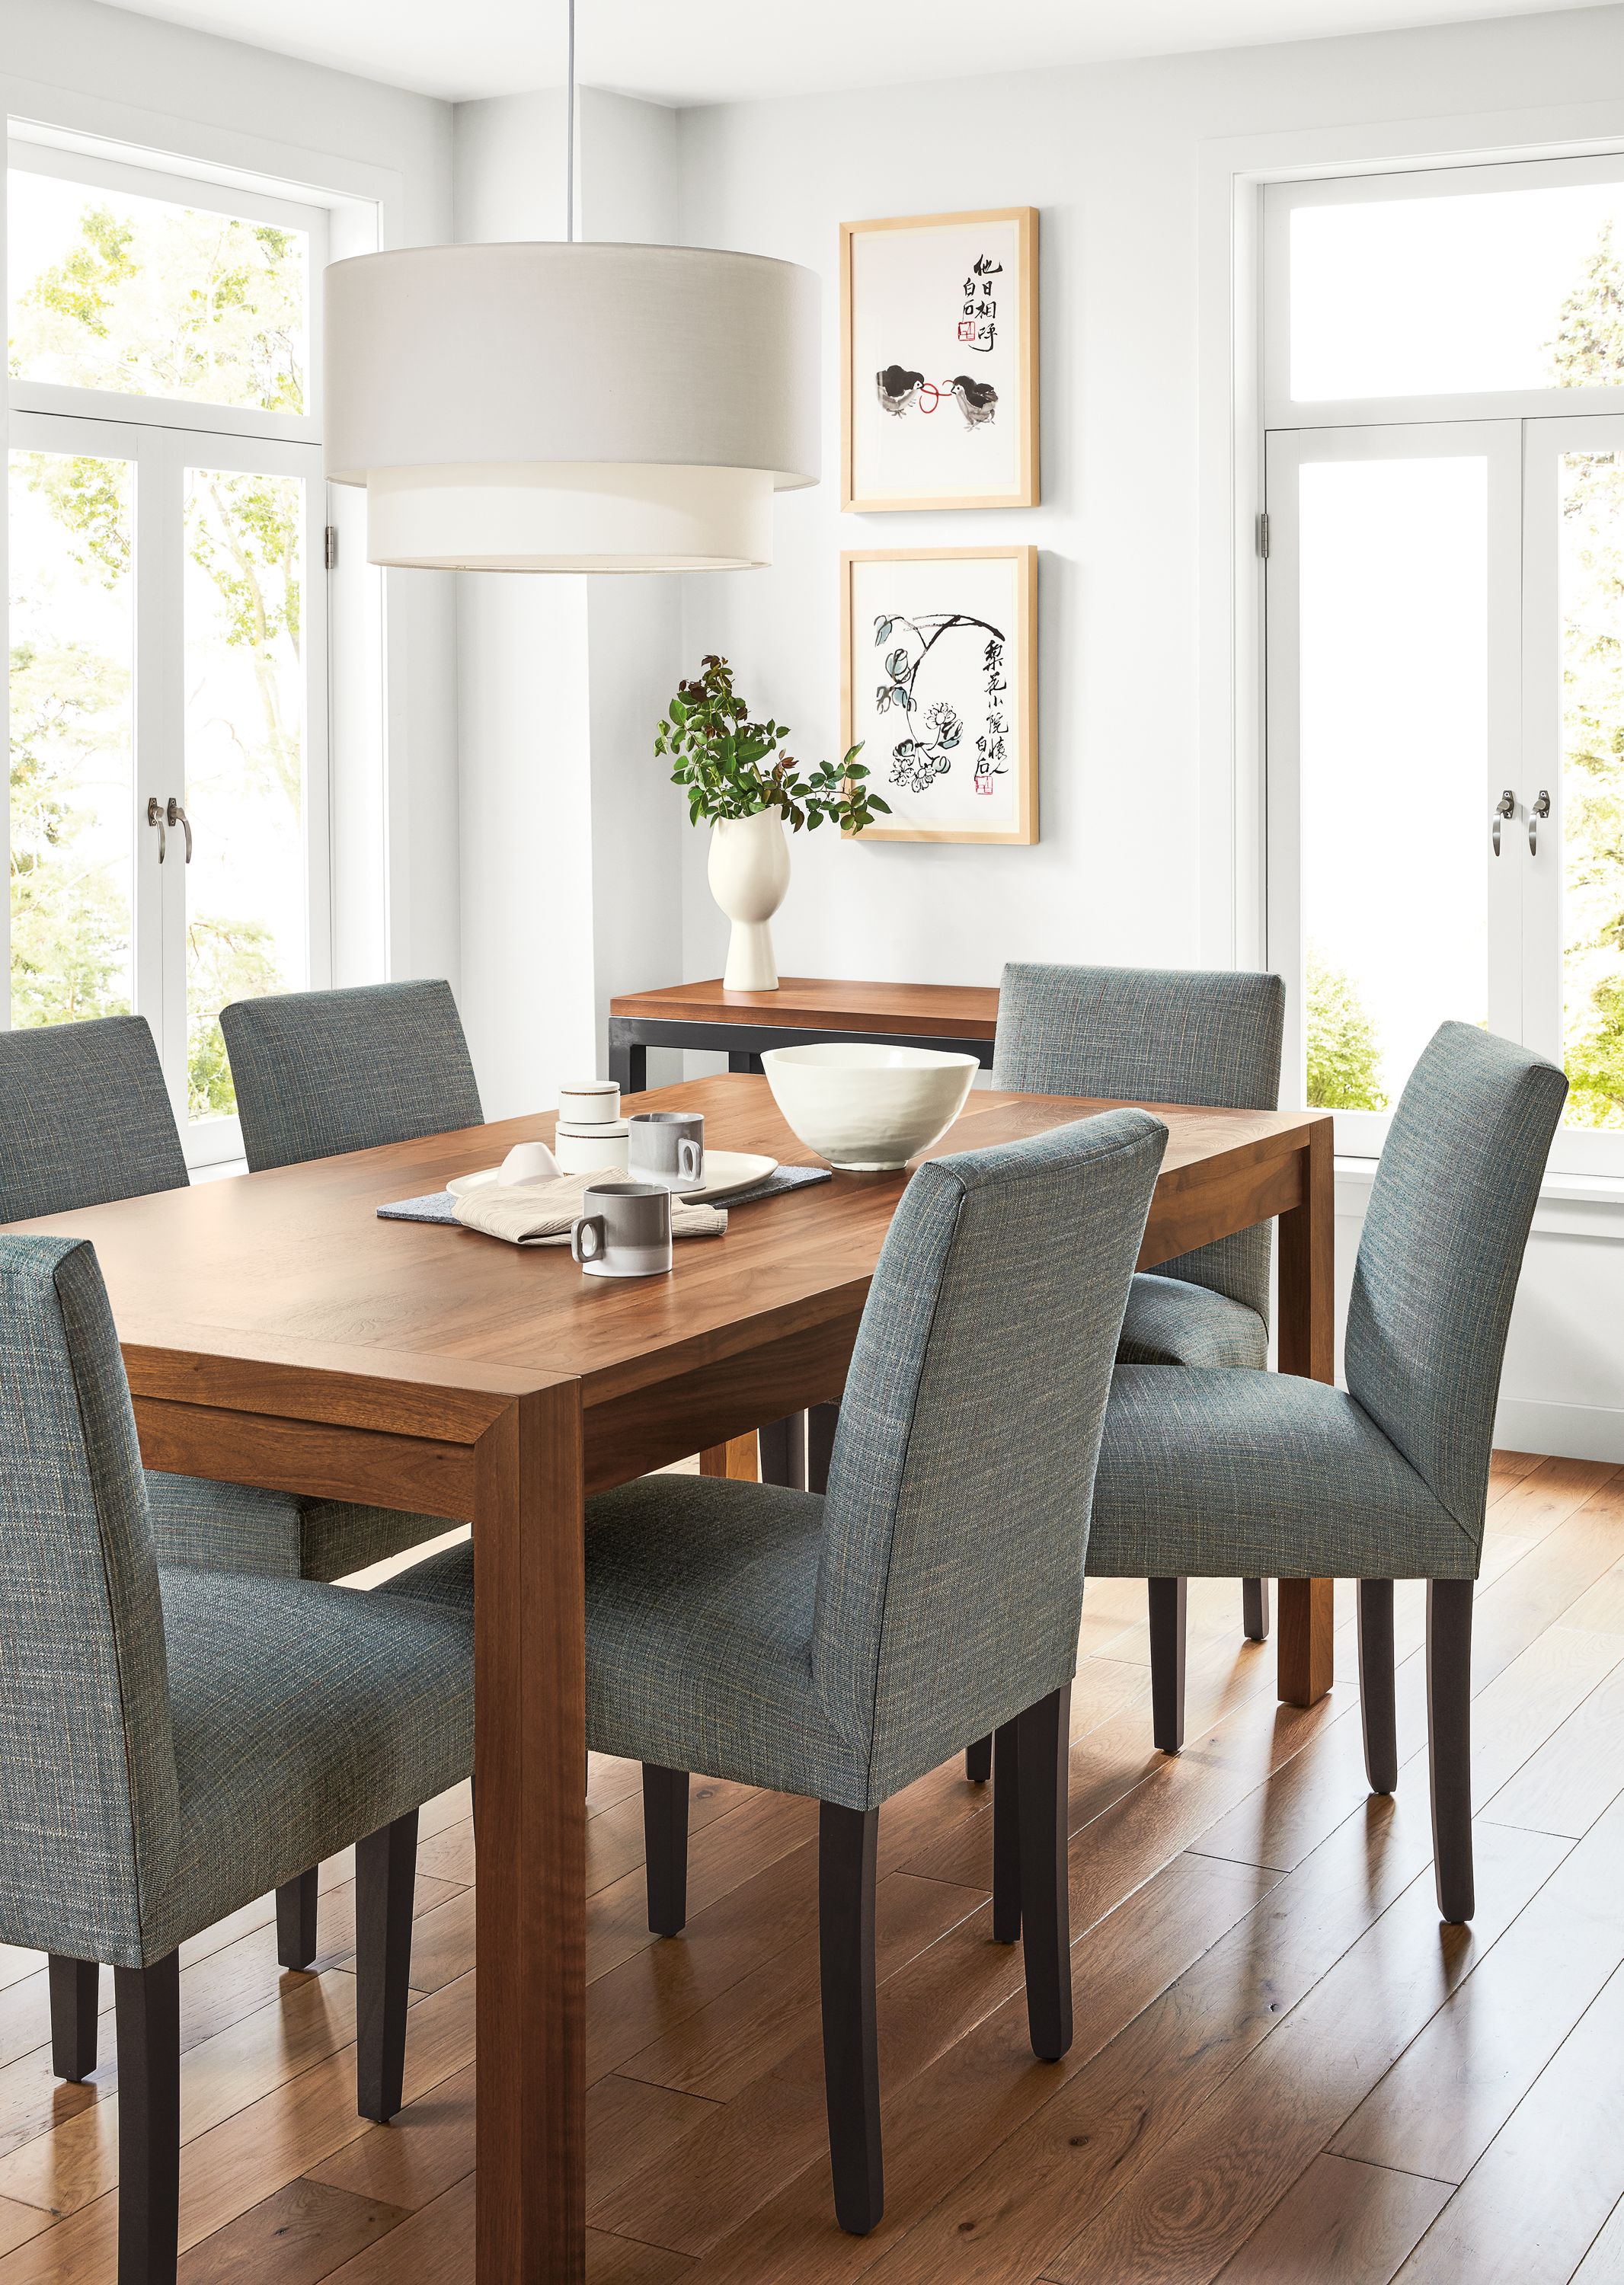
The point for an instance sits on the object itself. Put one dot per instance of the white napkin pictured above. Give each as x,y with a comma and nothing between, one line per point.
539,1213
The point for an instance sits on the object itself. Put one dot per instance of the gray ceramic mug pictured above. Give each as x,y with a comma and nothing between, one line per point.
668,1147
625,1230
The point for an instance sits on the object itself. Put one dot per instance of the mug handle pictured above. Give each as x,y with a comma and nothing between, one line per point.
586,1238
690,1157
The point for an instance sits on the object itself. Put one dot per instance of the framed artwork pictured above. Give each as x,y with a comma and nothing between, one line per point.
939,336
938,684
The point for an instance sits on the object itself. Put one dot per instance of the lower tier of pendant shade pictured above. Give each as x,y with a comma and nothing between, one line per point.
570,516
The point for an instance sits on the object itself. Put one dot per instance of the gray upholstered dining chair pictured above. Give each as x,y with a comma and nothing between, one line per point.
84,1119
840,1647
174,1744
1205,1471
1209,1036
318,1074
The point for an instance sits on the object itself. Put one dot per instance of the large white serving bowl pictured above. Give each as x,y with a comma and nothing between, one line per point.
868,1108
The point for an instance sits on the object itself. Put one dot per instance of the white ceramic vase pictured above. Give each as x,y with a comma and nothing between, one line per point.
749,873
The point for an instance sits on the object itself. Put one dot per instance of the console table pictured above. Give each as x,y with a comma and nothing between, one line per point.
806,1010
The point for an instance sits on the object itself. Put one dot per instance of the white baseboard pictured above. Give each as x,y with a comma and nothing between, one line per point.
1573,1431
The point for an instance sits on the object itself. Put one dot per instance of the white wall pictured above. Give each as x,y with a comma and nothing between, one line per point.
1112,156
570,861
100,71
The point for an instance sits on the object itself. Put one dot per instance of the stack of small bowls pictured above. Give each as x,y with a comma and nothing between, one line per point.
592,1138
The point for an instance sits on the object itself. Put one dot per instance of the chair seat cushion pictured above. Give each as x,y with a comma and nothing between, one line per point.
700,1595
304,1717
1206,1473
1169,1320
235,1527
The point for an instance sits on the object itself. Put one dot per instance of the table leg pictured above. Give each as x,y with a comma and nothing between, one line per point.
1306,1341
735,1458
628,1064
530,1909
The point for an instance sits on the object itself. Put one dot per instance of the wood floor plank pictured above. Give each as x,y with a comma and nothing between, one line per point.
1442,2103
1530,2209
1339,2223
296,2237
1185,2210
436,2247
1603,2264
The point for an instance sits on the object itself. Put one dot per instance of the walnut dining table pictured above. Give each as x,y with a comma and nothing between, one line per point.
276,1332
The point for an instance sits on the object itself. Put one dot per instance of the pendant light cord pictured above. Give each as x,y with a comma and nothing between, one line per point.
570,131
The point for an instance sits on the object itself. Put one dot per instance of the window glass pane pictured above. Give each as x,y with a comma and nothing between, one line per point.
1393,666
113,291
1500,289
1591,574
246,926
72,633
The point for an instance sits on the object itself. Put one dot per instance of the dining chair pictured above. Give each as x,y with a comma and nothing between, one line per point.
838,1647
85,1118
1204,1471
173,1743
1208,1036
318,1074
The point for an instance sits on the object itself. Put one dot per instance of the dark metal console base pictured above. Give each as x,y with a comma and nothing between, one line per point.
631,1036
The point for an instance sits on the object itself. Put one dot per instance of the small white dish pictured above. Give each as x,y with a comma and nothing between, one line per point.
589,1102
591,1146
530,1162
865,1107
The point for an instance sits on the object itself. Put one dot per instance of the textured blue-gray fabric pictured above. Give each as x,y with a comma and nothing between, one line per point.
1170,1322
161,1766
318,1074
1195,1035
336,1537
1206,1473
1442,1249
85,1117
839,1647
238,1527
1220,1473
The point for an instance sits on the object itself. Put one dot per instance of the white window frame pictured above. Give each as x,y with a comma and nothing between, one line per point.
1524,982
163,436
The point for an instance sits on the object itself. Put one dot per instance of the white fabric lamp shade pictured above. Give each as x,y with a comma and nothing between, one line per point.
555,407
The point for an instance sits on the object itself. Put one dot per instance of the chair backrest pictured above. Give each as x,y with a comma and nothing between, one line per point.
89,1801
950,1576
1441,1252
84,1116
1208,1036
318,1074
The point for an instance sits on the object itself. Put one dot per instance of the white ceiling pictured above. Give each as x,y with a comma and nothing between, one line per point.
715,50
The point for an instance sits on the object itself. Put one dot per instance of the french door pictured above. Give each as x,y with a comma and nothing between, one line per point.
1445,724
168,732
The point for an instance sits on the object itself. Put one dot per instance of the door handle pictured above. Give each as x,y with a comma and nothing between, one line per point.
1541,808
1506,806
177,816
155,816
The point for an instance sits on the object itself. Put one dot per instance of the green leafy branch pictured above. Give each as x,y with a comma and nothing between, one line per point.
730,767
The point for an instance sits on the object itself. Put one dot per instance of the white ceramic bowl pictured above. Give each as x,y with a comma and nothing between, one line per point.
868,1108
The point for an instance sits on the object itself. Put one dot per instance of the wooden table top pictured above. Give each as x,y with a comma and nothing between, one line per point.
293,1266
823,1003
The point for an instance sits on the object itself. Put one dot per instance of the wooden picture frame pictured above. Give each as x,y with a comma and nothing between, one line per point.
906,304
976,717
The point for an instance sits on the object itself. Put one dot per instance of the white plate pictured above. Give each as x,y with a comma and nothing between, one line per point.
725,1171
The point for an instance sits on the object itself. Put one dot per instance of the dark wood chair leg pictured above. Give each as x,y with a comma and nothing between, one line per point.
1254,1609
1046,1903
296,1921
978,1760
1448,1719
386,1877
1378,1691
665,1847
148,2000
1006,1833
1167,1601
782,1449
821,1422
847,1848
76,1990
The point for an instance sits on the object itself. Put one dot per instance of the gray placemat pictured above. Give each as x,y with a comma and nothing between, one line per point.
440,1205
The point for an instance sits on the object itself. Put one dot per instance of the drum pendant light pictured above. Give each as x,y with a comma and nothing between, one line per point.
569,407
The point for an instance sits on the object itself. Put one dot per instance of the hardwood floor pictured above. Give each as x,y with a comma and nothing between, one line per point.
1285,2070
